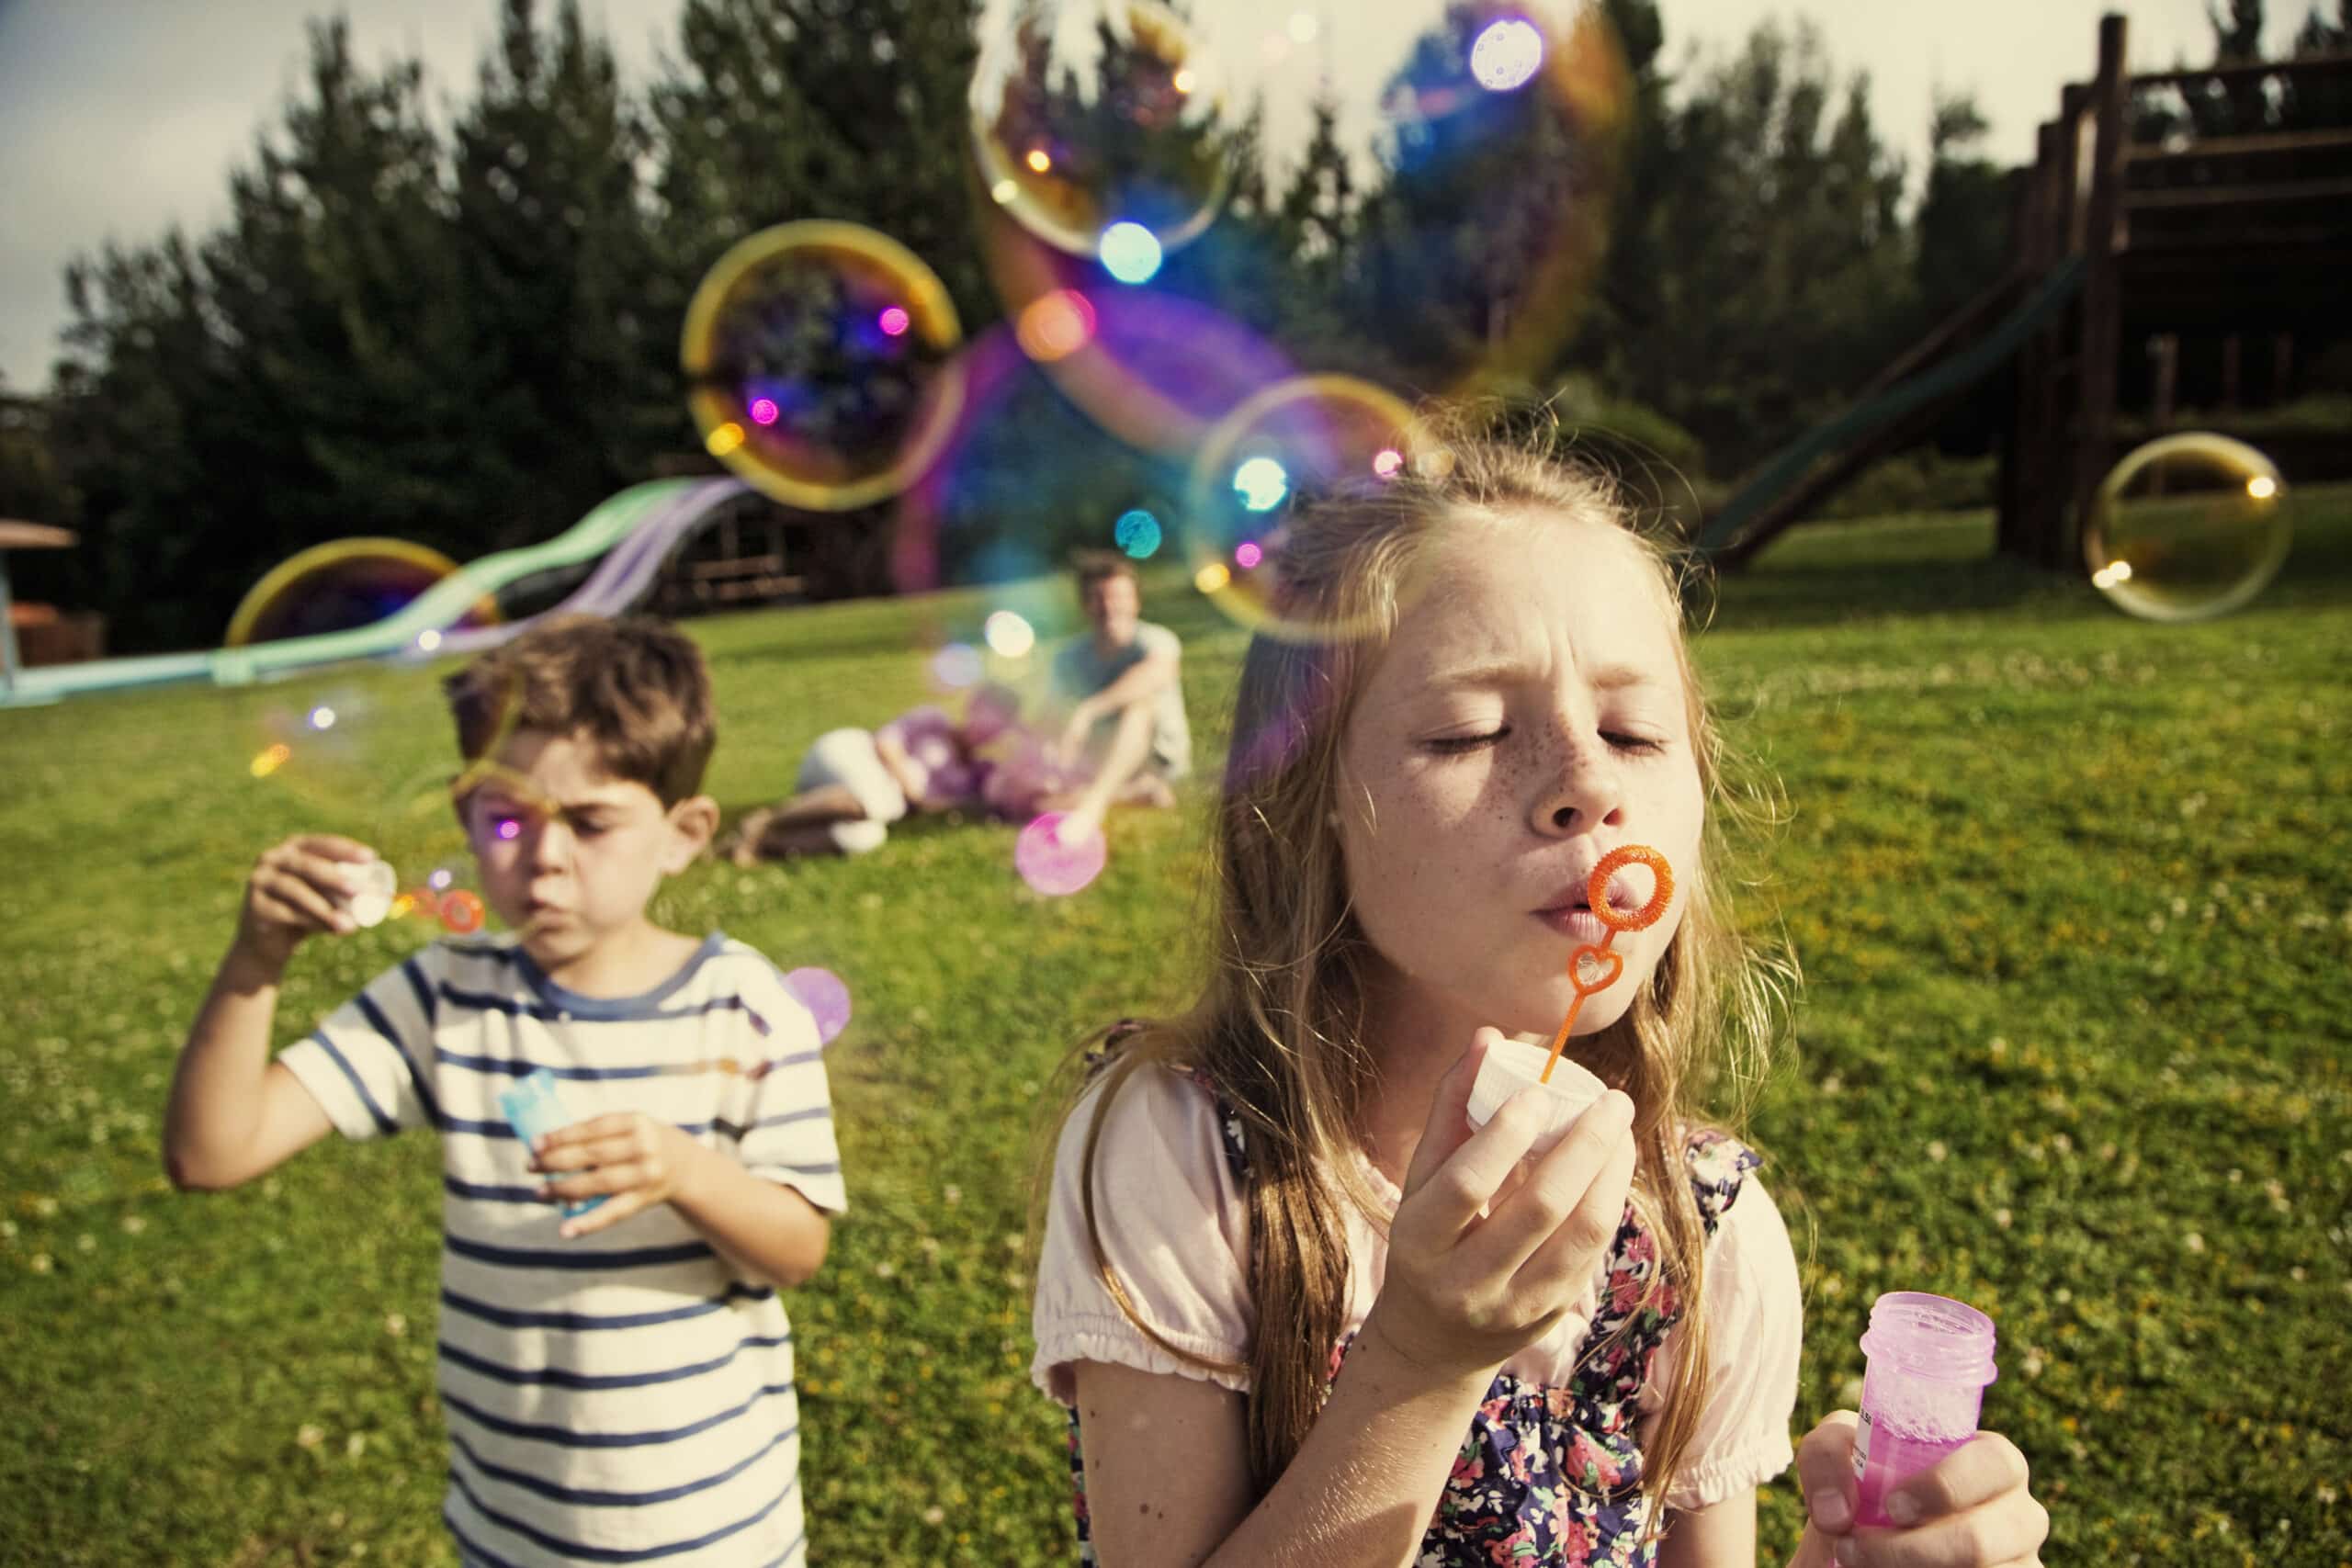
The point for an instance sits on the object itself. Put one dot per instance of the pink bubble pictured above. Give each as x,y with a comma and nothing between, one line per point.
1386,462
826,998
764,411
1247,557
1052,867
895,322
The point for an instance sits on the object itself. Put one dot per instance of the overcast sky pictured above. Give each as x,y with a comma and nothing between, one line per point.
120,117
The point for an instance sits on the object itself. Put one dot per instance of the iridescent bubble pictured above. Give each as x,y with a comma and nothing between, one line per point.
1305,440
1131,252
340,585
1020,460
1507,54
957,666
1009,635
820,360
1091,116
1052,867
1138,535
1152,368
2187,527
1508,122
826,998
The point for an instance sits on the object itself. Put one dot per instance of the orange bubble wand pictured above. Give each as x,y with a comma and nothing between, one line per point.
1596,894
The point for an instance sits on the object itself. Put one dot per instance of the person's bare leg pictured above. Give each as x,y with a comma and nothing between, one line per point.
783,826
1123,761
783,840
826,802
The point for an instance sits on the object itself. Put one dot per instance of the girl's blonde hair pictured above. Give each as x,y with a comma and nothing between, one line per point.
1278,1028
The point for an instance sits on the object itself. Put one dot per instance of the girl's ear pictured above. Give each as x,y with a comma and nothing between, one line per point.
693,822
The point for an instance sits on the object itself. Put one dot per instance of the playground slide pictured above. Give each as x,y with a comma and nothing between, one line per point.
1761,506
640,523
625,574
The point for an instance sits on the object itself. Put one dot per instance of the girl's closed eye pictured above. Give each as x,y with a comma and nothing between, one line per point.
1627,740
1455,745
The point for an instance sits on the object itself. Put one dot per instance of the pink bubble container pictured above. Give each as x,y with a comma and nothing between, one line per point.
1930,1360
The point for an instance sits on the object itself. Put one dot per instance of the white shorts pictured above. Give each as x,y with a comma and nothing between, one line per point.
847,758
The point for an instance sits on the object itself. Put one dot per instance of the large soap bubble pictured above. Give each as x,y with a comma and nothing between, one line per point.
1506,122
340,585
819,364
1098,124
2187,527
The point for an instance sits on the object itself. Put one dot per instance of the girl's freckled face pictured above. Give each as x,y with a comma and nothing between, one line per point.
1529,716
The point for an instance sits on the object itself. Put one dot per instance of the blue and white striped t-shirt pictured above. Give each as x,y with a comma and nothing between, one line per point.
627,1396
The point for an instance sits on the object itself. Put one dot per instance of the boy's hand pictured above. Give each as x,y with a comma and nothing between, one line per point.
295,890
630,1159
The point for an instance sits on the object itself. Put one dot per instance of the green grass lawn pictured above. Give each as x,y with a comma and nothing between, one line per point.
2071,893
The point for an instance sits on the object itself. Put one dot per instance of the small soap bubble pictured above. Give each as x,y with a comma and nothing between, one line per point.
2187,527
1100,124
819,359
957,666
826,998
1131,252
1506,54
1138,535
1055,868
1009,635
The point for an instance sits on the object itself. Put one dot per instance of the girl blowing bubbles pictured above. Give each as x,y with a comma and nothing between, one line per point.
1302,1312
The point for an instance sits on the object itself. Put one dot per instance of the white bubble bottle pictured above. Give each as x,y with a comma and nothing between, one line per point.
1930,1360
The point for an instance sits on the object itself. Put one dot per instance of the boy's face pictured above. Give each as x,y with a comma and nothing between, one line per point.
571,855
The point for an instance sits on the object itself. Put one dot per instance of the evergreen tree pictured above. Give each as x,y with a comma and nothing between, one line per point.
579,375
852,109
303,374
1962,227
1785,270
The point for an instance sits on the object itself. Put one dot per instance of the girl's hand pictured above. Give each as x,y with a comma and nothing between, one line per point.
295,888
1480,1265
1970,1511
630,1159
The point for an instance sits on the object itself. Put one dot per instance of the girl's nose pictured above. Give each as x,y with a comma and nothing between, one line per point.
1584,794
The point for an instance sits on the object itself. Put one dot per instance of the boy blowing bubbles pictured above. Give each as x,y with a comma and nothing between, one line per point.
634,1394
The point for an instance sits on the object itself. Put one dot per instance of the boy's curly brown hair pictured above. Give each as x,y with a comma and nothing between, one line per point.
637,688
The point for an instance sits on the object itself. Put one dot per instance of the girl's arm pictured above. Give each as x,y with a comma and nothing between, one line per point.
1485,1255
1168,1472
1720,1535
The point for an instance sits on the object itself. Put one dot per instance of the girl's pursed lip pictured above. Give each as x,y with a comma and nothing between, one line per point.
1573,920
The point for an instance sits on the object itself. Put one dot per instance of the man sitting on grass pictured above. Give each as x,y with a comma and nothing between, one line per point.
1125,730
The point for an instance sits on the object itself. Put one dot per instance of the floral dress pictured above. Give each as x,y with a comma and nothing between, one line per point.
1549,1475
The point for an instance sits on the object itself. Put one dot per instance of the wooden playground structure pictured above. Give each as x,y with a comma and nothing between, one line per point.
2158,205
